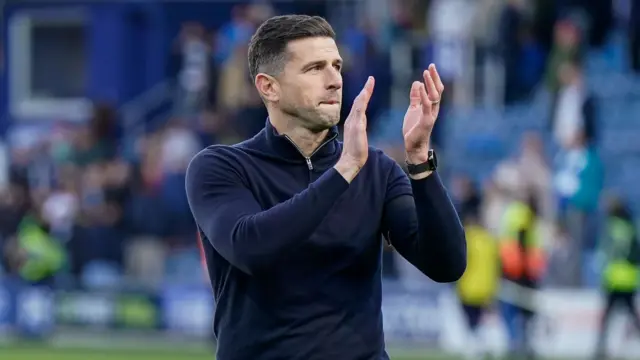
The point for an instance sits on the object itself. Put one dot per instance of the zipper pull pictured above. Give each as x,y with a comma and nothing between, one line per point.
309,165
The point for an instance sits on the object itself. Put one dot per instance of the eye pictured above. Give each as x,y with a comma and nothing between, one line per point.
338,67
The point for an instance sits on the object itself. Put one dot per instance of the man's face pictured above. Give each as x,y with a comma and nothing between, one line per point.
310,87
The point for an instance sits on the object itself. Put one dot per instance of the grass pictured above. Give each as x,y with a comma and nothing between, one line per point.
39,352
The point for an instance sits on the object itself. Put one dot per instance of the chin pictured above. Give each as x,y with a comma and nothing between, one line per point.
331,121
323,124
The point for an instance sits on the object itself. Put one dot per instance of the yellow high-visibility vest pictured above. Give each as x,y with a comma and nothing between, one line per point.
478,285
620,274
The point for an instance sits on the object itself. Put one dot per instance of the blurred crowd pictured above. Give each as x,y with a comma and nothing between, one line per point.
85,208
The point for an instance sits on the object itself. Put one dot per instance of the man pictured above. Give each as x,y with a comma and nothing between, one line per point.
477,288
523,263
620,251
575,110
292,218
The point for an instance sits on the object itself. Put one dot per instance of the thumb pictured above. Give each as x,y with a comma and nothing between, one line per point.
415,98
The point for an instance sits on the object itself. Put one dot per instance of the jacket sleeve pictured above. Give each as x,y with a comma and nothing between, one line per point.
421,223
247,236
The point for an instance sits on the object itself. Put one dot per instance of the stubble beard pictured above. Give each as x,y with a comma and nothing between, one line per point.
314,120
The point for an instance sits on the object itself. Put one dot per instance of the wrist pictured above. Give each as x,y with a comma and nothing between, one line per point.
418,156
347,168
420,176
421,163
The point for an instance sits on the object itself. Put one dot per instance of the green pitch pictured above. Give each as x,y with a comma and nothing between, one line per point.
43,352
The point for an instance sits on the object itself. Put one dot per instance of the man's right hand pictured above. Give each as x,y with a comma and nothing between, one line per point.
355,150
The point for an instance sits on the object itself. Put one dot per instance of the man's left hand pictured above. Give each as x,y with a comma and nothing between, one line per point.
424,106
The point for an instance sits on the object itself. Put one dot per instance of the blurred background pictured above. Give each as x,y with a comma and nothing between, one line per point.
103,104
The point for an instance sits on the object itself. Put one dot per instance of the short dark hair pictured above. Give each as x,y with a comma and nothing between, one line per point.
268,45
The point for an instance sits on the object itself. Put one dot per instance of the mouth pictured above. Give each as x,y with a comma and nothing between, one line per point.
330,102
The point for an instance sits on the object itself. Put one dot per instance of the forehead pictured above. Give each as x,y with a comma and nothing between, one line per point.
307,50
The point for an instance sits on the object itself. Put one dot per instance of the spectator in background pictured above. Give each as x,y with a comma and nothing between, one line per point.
99,238
178,144
495,199
236,32
37,255
364,57
251,118
531,61
567,47
527,170
523,264
191,63
234,81
60,208
575,108
241,109
620,252
14,205
95,141
511,25
146,249
578,182
240,113
478,286
450,23
536,173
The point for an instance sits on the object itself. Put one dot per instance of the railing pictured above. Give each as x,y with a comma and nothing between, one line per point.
134,112
142,112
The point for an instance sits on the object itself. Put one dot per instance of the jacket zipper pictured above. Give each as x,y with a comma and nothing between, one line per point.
307,159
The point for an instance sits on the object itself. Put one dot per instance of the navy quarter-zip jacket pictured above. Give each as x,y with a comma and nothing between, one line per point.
294,251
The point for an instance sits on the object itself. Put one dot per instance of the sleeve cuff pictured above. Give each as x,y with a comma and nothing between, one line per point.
430,188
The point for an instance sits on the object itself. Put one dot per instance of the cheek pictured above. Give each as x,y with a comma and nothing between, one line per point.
298,95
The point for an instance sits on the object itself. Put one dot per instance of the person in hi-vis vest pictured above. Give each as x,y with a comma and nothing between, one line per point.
523,263
477,287
620,253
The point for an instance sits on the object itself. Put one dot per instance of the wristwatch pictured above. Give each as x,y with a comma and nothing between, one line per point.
430,165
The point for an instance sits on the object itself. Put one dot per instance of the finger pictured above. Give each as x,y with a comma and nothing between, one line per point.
362,100
431,86
424,98
436,78
415,98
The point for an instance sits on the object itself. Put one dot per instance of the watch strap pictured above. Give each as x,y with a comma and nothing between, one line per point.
429,165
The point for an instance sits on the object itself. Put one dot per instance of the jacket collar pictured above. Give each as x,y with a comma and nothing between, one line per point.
283,147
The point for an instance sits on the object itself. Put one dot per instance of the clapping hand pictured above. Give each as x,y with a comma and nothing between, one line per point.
424,106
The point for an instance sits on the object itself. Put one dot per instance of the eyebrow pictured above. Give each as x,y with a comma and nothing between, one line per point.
320,62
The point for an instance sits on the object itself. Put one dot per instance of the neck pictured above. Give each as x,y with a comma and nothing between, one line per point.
305,140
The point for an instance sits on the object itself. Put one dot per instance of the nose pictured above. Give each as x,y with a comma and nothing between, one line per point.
334,79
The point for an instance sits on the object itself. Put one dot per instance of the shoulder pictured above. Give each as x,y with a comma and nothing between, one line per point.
214,161
231,155
211,156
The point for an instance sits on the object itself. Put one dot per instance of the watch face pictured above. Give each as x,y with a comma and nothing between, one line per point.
433,159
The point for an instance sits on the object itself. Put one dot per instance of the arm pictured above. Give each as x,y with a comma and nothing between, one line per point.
247,236
420,222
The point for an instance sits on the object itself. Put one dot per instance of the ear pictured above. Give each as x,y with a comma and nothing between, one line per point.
268,87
